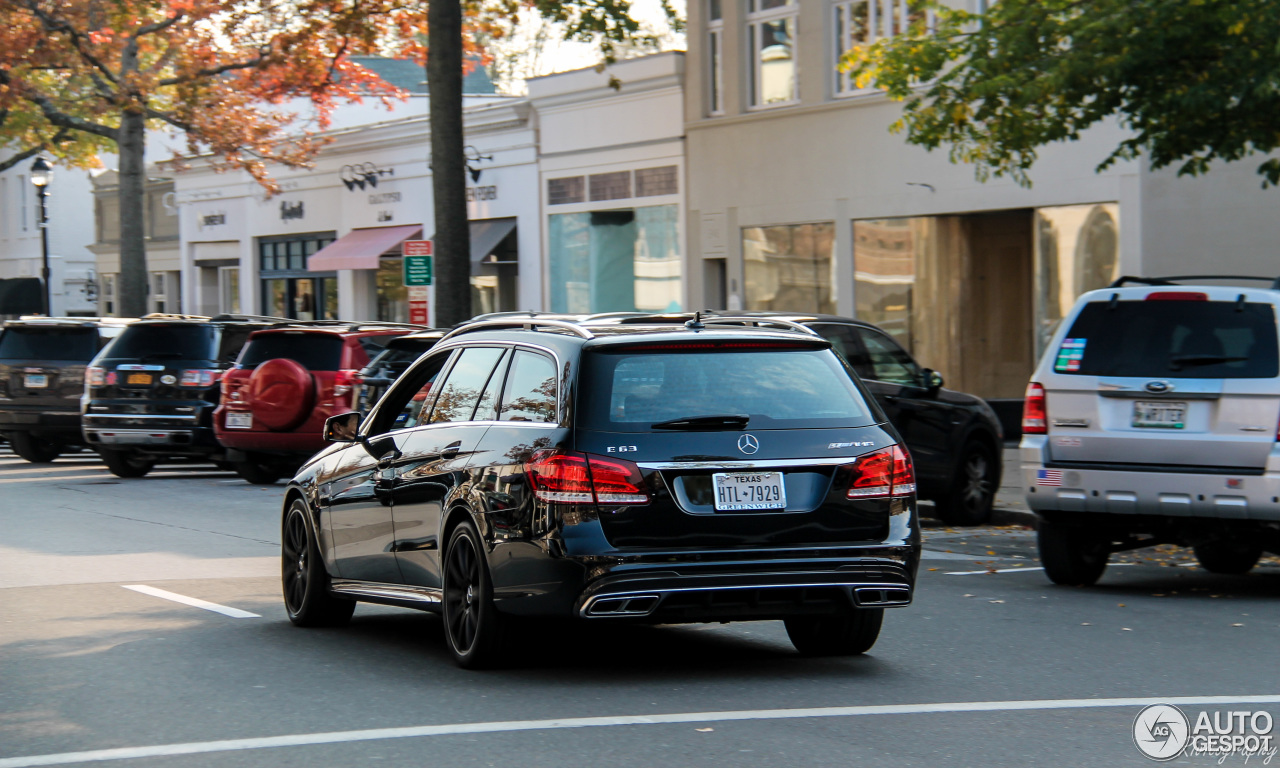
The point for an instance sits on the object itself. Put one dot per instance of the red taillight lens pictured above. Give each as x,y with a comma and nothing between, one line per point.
1177,296
578,479
344,380
199,377
1035,418
883,474
97,377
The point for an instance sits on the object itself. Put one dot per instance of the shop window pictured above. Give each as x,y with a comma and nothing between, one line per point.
651,182
715,58
610,186
771,34
288,289
790,267
393,296
1077,249
884,273
619,260
569,189
229,289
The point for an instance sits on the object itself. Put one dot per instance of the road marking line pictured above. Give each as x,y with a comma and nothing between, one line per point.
234,613
1016,570
377,734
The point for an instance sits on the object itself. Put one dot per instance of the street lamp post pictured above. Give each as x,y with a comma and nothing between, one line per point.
41,175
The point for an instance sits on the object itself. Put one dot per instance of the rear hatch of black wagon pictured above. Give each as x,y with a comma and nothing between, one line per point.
732,442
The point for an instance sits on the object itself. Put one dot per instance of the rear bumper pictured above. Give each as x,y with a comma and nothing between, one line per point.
41,420
162,440
1211,494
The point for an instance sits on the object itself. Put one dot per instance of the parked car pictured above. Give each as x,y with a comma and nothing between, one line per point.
660,474
150,394
955,439
287,380
42,365
1151,419
389,364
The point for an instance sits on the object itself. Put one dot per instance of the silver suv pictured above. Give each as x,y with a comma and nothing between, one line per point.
1152,419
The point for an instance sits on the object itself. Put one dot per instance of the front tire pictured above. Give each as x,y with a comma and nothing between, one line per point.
257,474
1230,557
33,450
973,491
126,464
472,625
847,634
1071,557
304,581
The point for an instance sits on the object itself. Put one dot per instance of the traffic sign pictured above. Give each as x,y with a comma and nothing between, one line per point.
417,269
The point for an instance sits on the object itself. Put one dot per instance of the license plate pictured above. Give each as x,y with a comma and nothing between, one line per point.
35,380
737,491
239,421
1159,415
138,378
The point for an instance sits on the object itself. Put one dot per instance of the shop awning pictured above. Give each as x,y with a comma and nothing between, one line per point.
360,248
487,235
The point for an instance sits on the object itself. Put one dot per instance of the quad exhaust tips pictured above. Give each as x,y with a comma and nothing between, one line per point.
627,605
875,597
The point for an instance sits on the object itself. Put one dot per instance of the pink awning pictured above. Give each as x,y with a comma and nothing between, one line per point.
360,248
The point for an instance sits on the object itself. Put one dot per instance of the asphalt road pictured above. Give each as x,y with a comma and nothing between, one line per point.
986,669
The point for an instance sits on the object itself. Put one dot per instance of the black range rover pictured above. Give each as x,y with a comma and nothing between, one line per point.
626,473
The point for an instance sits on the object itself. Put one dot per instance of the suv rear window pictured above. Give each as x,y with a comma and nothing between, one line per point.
315,351
78,344
180,341
631,391
1171,339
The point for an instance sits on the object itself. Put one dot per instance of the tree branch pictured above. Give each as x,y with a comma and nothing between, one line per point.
215,71
63,120
79,40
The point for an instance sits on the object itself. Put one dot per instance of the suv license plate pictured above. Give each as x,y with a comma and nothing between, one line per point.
138,378
35,380
1159,415
740,491
239,421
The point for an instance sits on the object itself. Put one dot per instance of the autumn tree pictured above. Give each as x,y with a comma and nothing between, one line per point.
1193,82
78,76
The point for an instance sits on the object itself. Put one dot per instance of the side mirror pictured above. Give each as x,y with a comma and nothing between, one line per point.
932,379
343,428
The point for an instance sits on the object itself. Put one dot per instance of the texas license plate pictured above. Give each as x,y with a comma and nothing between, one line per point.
1159,415
240,421
138,378
737,491
35,380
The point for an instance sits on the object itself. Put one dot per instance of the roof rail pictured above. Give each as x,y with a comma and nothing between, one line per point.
172,316
758,322
530,324
1171,280
351,324
236,317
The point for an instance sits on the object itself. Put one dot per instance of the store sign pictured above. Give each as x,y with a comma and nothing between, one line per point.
291,211
418,313
417,262
476,194
211,219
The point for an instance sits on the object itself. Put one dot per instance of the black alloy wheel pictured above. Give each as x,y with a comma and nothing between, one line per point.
126,463
471,622
969,499
1070,556
845,634
256,473
35,451
303,578
1230,557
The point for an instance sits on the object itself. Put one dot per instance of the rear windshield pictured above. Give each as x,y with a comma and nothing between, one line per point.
185,341
1171,339
315,351
75,344
631,391
398,358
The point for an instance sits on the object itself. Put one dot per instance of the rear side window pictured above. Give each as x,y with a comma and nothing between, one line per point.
629,392
461,390
72,344
185,341
315,351
1171,339
531,389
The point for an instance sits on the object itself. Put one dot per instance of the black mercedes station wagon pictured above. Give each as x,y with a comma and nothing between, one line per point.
536,467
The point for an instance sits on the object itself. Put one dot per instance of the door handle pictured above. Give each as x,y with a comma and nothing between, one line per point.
387,461
451,450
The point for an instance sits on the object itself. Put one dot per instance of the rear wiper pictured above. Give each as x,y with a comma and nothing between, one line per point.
1176,362
725,421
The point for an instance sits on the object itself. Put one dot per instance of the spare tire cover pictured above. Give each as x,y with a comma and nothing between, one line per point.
281,394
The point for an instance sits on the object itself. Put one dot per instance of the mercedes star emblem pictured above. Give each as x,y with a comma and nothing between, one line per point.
748,444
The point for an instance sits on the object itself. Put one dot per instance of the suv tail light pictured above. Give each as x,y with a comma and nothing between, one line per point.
344,381
580,479
1035,411
199,377
97,377
883,474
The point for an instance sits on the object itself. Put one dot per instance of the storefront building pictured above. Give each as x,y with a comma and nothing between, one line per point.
160,225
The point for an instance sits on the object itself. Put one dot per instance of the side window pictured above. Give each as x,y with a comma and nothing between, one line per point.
487,408
844,340
462,389
233,340
889,362
530,394
406,407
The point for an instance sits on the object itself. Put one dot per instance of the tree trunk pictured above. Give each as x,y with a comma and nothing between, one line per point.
448,163
132,284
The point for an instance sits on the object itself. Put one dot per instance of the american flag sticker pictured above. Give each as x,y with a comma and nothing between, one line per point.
1052,477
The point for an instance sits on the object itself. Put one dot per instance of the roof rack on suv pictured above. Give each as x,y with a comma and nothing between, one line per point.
710,317
1171,280
757,322
172,316
351,325
530,324
238,318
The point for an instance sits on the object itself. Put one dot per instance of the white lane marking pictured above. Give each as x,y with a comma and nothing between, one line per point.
933,554
234,613
376,734
1018,570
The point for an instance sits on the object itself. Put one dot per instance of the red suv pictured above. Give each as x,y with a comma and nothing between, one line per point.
286,382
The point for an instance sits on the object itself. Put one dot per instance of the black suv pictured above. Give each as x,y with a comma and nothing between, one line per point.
707,472
389,364
150,394
42,364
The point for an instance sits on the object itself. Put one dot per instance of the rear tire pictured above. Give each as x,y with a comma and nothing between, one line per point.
257,474
125,463
472,625
973,491
33,450
847,634
303,579
1230,557
1070,556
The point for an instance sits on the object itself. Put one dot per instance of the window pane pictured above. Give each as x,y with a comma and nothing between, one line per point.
304,299
884,263
713,10
610,186
888,361
77,344
393,297
487,408
462,389
657,259
564,191
1077,249
314,351
530,394
789,268
611,261
656,181
717,76
410,413
275,298
764,5
330,298
775,62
